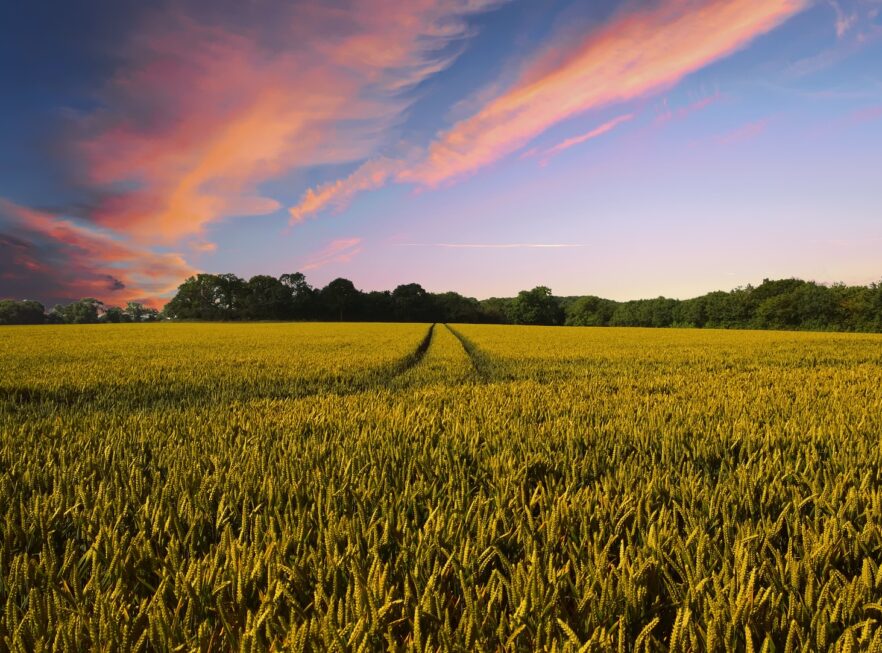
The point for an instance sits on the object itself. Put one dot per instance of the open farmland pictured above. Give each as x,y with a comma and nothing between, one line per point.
346,487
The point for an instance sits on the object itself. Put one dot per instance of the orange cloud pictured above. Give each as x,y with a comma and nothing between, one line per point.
638,53
582,138
369,176
202,114
641,51
494,245
338,251
54,257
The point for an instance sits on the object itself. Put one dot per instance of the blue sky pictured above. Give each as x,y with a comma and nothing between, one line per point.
621,149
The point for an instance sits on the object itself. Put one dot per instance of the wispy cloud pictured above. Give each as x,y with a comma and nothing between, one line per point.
606,127
494,245
638,53
204,247
643,50
373,174
868,114
669,113
342,250
845,20
856,28
744,133
202,111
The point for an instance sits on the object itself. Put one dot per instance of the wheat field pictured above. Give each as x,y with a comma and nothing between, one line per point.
408,487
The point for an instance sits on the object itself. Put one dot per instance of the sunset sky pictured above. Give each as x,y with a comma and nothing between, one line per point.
623,149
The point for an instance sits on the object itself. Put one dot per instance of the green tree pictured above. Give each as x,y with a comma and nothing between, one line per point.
135,311
590,311
497,310
413,304
536,306
85,311
21,312
453,307
378,306
266,298
303,296
340,299
198,298
232,293
113,314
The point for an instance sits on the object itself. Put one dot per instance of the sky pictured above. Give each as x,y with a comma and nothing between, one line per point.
621,149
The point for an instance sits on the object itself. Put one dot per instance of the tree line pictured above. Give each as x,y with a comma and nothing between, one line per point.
773,304
84,311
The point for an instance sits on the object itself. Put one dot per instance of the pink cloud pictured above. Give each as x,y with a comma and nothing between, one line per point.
205,247
371,175
52,256
201,111
845,20
867,114
582,138
494,245
638,53
678,113
338,251
201,114
641,51
856,28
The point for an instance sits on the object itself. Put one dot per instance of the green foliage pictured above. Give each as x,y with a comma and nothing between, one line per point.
114,315
785,304
85,311
317,487
21,312
535,307
590,311
789,304
339,299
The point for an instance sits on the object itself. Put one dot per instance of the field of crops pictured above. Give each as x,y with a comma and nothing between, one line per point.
347,487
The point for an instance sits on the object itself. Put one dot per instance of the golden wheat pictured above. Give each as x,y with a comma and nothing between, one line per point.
341,487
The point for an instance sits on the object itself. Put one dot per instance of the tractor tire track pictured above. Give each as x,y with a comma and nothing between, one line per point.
414,358
478,359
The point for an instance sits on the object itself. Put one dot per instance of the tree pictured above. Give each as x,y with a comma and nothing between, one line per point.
195,300
876,306
798,305
340,299
303,296
135,311
590,311
537,306
377,306
266,298
113,314
497,310
84,311
21,312
232,293
690,313
626,314
453,307
783,303
208,297
412,304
